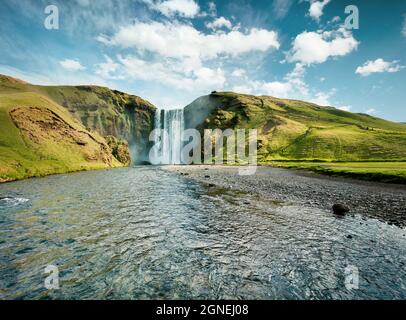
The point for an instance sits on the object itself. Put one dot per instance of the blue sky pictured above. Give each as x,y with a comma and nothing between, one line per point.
173,51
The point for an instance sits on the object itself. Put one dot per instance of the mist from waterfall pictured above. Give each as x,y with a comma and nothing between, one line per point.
169,139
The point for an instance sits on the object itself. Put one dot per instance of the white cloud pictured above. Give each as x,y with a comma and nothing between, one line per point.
178,55
316,8
175,40
245,89
378,66
170,8
108,69
345,108
317,47
172,74
292,86
220,23
71,65
238,73
371,111
404,26
322,98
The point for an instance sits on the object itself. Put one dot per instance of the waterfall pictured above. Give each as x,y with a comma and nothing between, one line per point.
170,142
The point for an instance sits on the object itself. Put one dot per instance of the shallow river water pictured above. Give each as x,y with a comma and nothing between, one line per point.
144,233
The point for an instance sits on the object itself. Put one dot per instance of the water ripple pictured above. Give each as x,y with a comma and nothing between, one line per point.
113,237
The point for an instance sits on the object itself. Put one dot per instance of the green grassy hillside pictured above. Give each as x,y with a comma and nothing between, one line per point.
56,129
108,112
38,137
297,130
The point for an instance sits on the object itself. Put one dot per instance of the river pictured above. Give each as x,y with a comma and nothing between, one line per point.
146,233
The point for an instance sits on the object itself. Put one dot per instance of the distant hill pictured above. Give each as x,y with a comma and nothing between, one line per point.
298,130
54,129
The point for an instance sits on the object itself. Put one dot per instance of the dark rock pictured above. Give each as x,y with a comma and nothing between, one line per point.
81,142
120,149
207,177
340,209
349,236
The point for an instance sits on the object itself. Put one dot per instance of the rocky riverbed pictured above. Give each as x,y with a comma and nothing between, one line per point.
386,202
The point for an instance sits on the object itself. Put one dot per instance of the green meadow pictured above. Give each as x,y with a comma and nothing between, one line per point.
393,172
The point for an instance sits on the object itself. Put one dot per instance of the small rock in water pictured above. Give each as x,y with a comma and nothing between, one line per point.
207,177
349,236
340,209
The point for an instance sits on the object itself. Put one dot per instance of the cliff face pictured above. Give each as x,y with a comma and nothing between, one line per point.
298,130
102,110
197,112
46,130
110,113
38,137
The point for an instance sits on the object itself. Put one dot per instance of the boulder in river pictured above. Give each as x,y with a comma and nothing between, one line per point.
340,209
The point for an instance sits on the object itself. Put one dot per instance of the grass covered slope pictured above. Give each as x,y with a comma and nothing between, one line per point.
39,137
105,111
296,130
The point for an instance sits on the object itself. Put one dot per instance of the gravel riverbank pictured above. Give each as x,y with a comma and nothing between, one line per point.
386,202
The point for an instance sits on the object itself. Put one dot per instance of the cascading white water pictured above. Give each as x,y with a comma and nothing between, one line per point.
170,143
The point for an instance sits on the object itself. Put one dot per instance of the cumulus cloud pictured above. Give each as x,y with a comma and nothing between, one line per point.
378,66
317,47
238,73
175,40
108,69
322,98
292,86
202,78
316,8
71,65
170,8
220,23
178,55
